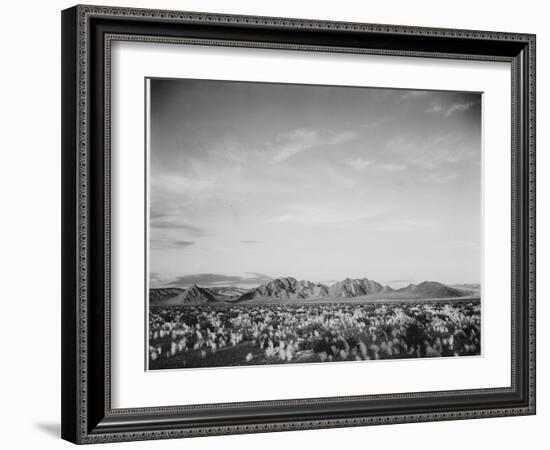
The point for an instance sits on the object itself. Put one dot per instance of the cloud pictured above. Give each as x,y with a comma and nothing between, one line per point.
350,220
156,214
174,224
442,178
391,167
251,242
444,155
374,221
304,215
293,143
358,163
170,244
459,107
216,279
196,181
373,123
287,145
362,164
437,108
183,243
411,94
430,153
259,275
404,224
155,278
434,109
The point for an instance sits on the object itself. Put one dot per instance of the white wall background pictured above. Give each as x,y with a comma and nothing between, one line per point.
30,225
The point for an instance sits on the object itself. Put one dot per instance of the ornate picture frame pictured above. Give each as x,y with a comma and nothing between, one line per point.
88,33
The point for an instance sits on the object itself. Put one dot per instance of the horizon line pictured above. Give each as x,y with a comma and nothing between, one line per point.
239,283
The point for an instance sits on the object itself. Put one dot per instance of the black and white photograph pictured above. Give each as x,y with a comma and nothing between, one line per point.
293,223
275,220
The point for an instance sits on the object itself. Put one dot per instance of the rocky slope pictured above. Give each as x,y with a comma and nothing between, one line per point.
163,294
193,295
287,288
349,288
431,289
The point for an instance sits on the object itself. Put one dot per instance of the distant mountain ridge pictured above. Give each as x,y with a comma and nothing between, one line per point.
228,292
158,295
350,288
194,295
288,289
431,289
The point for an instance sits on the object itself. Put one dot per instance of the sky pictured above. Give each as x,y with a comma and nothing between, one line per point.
252,181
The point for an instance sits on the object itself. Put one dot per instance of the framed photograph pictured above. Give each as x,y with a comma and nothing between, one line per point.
277,224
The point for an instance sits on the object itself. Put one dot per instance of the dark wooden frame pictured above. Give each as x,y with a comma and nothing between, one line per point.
87,32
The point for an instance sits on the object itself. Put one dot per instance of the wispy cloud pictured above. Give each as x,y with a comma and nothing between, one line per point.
175,224
349,219
304,215
412,94
159,243
157,280
448,111
434,109
189,183
289,144
156,214
404,224
442,178
433,152
385,167
216,279
459,107
359,163
183,243
427,158
251,242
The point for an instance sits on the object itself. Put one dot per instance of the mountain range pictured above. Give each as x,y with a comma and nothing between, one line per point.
289,289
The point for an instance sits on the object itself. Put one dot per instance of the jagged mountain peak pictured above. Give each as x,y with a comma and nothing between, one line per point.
158,295
192,295
287,288
355,288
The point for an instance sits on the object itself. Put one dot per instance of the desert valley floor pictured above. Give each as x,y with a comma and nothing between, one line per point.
289,321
